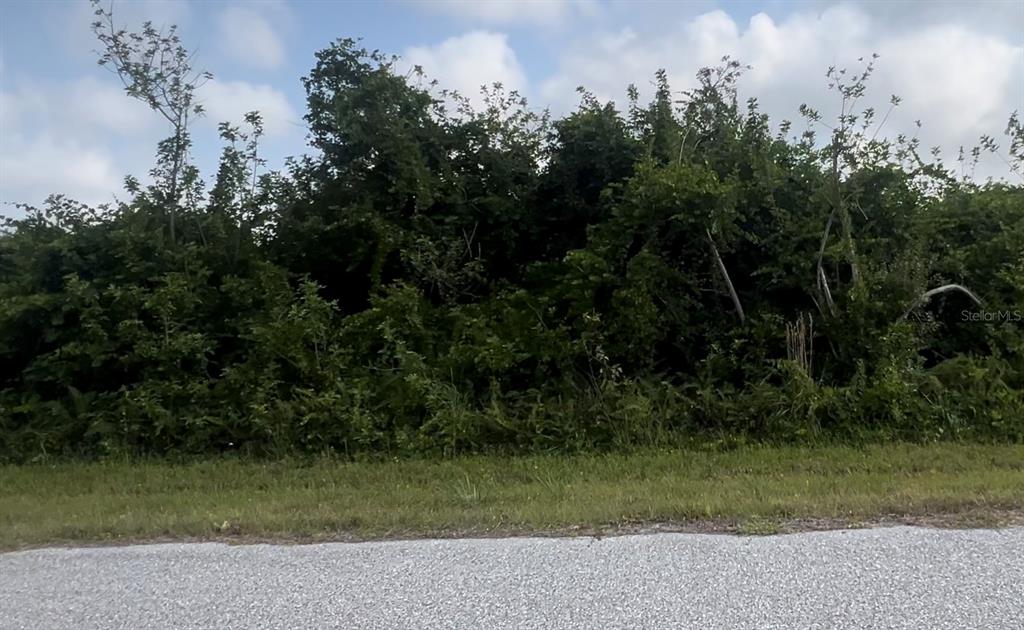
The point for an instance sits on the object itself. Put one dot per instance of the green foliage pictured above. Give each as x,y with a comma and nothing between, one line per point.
443,279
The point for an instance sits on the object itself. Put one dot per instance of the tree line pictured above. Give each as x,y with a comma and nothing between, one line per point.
440,278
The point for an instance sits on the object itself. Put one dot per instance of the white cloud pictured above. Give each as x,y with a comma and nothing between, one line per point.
84,105
960,81
248,37
30,171
467,62
58,137
71,21
103,104
1001,17
10,112
81,137
538,12
228,101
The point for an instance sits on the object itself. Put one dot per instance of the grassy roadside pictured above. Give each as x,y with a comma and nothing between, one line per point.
752,490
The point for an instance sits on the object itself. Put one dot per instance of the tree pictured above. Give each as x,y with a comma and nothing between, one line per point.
156,68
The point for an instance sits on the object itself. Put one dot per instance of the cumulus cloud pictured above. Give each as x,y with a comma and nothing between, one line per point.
968,84
85,105
538,12
1002,17
32,170
56,137
467,62
960,81
73,19
247,36
104,105
229,101
83,136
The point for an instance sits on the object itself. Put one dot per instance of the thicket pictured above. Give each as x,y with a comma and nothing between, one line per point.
439,278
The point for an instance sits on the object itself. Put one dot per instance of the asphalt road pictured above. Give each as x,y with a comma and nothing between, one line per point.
875,578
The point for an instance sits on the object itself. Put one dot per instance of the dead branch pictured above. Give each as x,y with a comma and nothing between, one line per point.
725,276
823,285
928,295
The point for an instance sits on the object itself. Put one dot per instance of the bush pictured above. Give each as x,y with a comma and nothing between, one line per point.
444,280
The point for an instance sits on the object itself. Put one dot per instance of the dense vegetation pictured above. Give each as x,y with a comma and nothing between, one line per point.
438,278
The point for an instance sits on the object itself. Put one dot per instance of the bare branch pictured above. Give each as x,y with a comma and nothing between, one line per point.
725,276
823,286
928,295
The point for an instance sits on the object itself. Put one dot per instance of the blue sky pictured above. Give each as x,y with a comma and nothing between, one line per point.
65,126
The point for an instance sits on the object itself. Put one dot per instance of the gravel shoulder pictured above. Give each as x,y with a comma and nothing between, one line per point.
884,577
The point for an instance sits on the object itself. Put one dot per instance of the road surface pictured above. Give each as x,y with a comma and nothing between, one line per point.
897,577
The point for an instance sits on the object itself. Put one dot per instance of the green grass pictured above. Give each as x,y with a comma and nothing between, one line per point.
750,490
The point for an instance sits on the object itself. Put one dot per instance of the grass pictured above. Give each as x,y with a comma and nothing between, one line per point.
752,490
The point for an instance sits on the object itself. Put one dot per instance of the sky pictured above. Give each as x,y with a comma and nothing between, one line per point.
67,127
